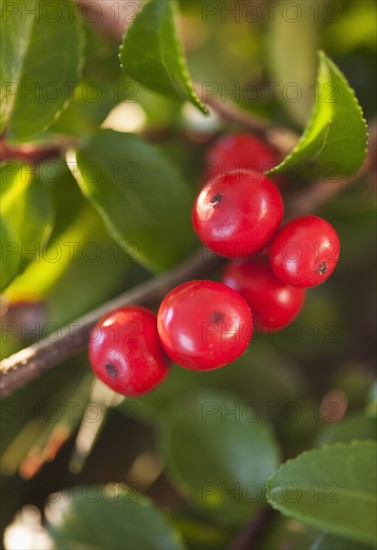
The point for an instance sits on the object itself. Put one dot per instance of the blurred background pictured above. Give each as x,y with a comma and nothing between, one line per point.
65,428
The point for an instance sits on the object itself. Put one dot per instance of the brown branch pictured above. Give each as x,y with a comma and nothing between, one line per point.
28,153
29,363
33,153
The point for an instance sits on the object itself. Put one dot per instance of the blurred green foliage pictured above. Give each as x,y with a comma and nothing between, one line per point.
286,380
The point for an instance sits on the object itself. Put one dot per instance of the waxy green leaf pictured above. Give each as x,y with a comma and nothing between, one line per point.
40,63
152,54
141,197
333,489
335,138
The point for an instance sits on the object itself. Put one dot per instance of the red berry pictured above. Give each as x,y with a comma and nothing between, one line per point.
274,304
238,213
204,325
125,351
239,152
305,252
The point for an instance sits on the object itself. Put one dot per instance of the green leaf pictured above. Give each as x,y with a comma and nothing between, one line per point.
335,138
142,199
220,455
152,54
333,489
26,218
41,60
330,542
10,258
83,115
81,259
112,516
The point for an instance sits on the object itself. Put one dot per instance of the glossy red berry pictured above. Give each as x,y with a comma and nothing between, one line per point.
204,325
305,252
238,152
274,304
238,213
125,351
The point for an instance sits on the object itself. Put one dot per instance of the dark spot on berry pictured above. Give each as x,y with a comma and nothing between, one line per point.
322,268
217,316
111,370
216,199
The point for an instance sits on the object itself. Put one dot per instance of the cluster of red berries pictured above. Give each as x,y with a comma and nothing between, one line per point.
204,325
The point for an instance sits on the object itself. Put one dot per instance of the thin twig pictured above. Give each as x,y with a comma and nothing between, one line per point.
22,367
33,153
29,363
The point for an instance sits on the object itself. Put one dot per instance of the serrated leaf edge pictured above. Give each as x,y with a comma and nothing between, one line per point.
303,517
184,67
188,88
315,107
